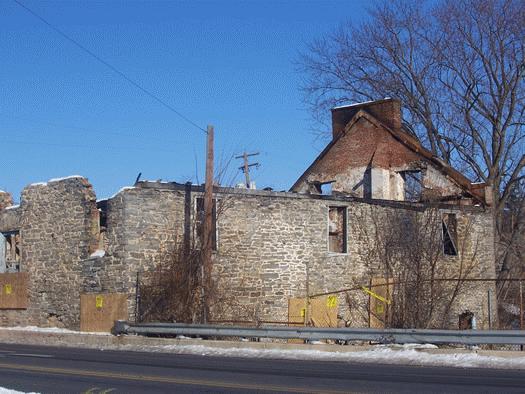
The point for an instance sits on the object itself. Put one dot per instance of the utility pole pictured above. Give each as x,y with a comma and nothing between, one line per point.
246,166
207,225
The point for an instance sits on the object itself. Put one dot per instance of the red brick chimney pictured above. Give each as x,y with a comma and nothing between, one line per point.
387,111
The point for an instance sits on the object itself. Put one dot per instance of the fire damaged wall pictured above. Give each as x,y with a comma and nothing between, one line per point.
270,247
275,246
371,156
58,226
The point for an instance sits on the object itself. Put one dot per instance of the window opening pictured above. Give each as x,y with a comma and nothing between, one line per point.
449,225
413,185
337,230
10,251
199,223
326,188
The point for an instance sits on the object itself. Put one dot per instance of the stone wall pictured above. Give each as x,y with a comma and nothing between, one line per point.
144,225
6,200
271,247
58,224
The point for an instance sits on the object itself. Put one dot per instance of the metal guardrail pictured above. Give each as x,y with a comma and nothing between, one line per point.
464,337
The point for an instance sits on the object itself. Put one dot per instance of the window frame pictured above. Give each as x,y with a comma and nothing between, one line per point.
18,263
452,237
344,209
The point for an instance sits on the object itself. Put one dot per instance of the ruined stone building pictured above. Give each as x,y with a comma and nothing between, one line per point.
270,247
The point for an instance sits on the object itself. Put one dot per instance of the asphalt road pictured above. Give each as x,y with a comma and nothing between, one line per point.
65,370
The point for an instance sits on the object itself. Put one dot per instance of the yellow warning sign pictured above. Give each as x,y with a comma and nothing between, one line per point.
99,302
331,301
303,312
380,309
376,296
8,289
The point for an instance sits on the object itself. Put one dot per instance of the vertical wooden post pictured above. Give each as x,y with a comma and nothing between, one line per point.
207,226
13,248
137,299
370,305
521,309
521,305
307,306
187,219
489,304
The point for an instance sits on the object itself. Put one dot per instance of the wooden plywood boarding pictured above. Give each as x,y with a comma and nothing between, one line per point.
379,310
98,312
13,290
323,311
296,315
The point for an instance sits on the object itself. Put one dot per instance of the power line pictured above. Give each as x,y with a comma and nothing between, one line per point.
110,66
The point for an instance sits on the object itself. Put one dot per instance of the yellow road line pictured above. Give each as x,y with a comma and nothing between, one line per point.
162,379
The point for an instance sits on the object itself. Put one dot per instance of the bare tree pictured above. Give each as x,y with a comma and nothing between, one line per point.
409,249
457,66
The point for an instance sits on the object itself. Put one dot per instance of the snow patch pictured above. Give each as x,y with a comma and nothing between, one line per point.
121,190
55,330
39,184
410,346
376,355
98,253
64,178
361,103
4,390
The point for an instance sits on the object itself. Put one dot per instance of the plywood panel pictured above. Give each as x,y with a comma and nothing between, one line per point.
379,310
296,311
296,315
323,311
13,290
98,312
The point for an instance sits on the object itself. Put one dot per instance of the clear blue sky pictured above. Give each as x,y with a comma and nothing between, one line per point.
226,63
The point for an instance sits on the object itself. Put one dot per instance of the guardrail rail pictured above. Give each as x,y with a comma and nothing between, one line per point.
385,336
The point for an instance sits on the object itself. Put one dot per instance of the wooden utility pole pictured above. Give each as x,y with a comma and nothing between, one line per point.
246,165
207,225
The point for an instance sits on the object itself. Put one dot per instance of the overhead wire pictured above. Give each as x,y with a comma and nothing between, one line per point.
110,66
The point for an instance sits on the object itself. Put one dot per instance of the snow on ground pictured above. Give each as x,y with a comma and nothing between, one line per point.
380,354
3,390
54,330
